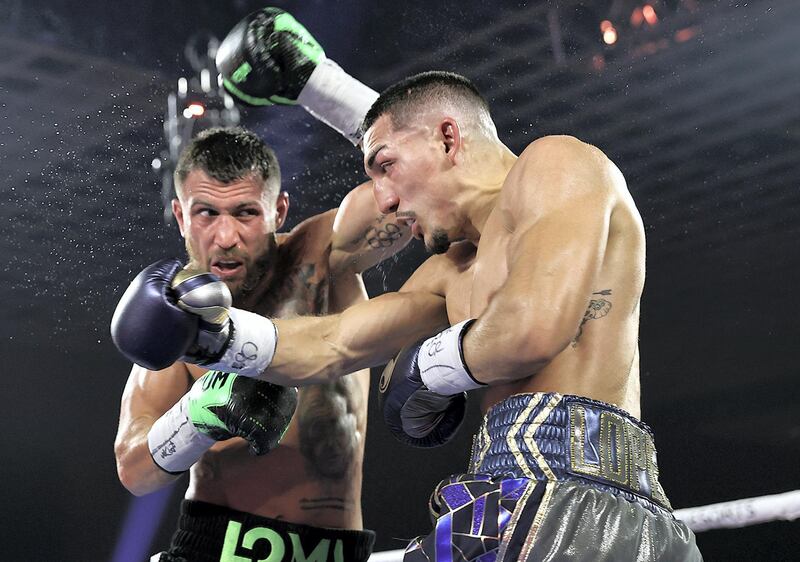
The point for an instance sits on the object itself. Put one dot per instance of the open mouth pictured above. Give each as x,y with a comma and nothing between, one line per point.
226,268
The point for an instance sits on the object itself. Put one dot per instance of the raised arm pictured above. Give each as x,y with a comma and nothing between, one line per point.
559,201
362,235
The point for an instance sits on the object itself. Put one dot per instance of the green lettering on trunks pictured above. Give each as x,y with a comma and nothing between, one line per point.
277,547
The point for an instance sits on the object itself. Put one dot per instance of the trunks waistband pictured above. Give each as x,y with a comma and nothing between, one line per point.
208,532
550,436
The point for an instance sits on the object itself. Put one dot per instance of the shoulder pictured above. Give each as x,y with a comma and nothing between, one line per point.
559,153
557,171
310,240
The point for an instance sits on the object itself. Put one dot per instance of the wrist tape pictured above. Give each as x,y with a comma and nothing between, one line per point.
174,442
337,99
251,346
441,362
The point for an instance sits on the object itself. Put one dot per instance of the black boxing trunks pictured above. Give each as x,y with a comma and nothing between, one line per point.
555,477
212,533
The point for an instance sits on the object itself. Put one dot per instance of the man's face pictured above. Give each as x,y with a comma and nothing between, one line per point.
229,228
408,168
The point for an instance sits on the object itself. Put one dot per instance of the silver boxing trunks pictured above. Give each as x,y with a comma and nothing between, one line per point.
556,477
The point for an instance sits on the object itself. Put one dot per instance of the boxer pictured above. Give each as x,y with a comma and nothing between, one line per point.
539,270
303,498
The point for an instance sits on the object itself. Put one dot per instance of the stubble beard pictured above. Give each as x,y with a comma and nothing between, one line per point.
254,272
440,242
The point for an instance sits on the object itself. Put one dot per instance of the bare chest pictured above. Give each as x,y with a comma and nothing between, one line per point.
300,291
473,286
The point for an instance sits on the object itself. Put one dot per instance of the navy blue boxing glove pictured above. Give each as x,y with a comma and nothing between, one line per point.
148,327
422,390
170,313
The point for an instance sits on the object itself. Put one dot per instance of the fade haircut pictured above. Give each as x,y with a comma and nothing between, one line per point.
405,100
227,154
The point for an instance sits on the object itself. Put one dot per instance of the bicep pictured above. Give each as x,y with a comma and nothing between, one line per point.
554,263
559,204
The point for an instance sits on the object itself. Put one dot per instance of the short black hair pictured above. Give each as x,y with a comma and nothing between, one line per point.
227,154
403,99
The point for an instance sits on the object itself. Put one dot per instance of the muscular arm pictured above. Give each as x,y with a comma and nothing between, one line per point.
317,349
559,206
146,397
362,235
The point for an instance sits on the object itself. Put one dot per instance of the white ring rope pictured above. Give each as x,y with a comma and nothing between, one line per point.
741,513
725,515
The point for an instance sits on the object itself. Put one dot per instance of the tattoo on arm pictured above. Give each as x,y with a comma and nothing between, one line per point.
598,308
383,237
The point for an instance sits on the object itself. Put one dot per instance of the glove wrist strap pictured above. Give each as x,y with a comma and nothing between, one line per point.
441,362
337,99
174,442
251,346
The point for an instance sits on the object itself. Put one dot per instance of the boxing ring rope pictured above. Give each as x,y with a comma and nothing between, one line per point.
724,515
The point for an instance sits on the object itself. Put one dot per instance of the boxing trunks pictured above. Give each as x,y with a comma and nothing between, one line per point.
212,533
555,477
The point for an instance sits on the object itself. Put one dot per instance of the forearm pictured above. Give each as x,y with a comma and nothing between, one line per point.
135,466
317,349
362,235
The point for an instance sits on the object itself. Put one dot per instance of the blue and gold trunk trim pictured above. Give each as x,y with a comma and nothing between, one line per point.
554,437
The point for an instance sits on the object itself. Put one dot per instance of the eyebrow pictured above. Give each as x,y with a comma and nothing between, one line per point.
373,154
204,203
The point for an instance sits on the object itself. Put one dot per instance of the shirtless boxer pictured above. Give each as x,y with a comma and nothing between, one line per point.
539,272
228,208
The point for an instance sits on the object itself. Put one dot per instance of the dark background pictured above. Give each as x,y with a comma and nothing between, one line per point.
700,112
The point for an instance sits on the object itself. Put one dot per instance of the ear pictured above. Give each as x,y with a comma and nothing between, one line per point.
281,209
177,212
450,137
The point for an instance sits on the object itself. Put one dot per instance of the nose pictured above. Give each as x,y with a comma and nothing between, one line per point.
386,198
226,235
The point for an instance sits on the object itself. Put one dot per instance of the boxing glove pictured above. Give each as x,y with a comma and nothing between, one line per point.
423,390
270,58
148,327
170,314
217,407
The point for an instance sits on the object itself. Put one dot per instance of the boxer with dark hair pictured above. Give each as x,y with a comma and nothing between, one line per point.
303,497
539,272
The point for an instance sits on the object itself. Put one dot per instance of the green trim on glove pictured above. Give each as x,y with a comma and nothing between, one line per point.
214,391
301,38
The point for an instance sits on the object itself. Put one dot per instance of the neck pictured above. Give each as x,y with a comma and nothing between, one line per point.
485,174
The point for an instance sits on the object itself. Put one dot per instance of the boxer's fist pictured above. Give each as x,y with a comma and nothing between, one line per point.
225,405
148,327
267,58
414,414
203,294
217,407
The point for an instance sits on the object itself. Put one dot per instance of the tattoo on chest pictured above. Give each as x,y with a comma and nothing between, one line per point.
304,290
327,416
383,237
598,308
